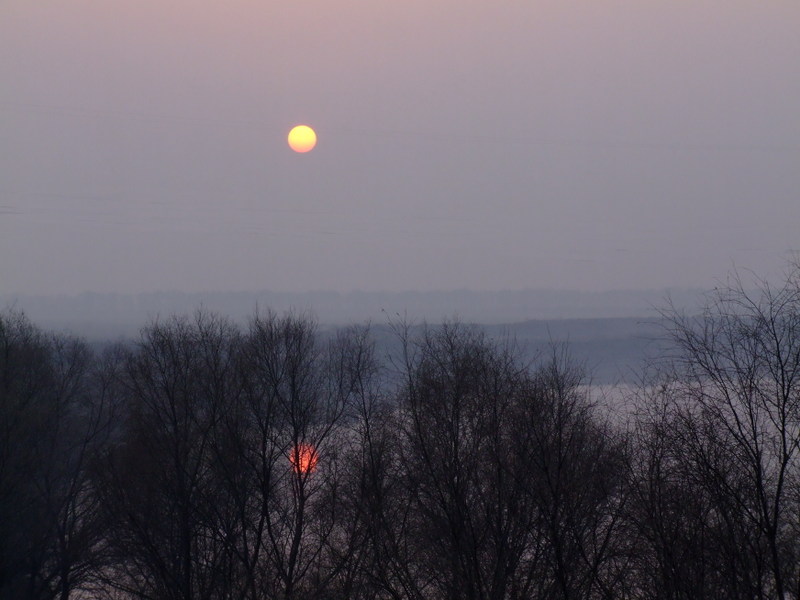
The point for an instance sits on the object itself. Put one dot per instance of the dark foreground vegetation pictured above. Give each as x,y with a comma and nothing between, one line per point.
207,461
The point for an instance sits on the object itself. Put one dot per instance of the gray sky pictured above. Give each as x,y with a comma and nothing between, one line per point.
582,144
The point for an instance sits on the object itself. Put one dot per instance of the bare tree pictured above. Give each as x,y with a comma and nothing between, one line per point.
53,418
716,452
739,364
285,455
509,487
574,464
691,537
176,385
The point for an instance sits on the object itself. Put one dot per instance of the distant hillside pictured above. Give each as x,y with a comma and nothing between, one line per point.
111,315
612,351
612,348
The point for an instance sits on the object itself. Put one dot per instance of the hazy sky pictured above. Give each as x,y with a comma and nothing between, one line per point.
583,144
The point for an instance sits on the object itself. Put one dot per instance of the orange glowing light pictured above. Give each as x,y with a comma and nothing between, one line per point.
302,138
304,458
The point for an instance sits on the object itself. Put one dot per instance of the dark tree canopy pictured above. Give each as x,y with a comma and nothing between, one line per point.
208,461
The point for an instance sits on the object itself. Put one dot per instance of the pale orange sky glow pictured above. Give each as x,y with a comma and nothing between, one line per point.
570,144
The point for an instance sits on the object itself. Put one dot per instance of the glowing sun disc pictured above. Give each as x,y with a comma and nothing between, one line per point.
302,138
304,458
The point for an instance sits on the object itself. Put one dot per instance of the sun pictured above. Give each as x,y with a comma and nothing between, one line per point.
302,138
304,458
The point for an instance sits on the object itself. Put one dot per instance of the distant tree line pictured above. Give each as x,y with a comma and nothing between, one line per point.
279,461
